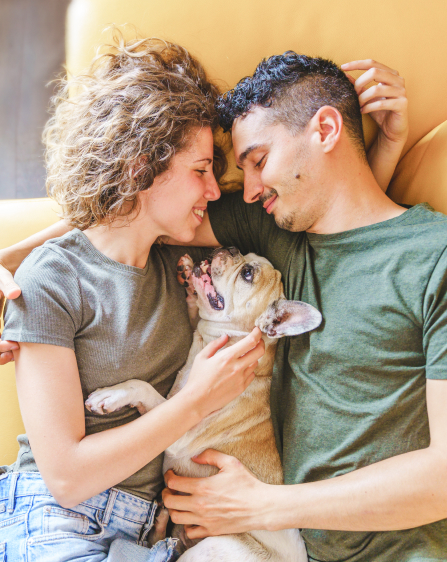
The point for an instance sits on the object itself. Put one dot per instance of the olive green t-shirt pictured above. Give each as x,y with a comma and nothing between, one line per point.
352,392
122,322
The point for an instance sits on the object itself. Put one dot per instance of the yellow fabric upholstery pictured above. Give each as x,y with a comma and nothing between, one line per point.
230,38
422,173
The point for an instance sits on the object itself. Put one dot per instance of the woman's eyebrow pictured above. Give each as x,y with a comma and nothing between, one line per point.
203,160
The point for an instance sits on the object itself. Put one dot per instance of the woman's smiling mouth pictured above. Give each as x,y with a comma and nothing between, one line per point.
198,213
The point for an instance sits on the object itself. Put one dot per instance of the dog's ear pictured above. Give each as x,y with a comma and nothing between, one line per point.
288,318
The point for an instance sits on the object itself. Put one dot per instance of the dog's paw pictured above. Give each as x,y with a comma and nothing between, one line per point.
184,272
107,400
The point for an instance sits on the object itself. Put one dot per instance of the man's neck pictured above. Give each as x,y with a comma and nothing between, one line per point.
357,201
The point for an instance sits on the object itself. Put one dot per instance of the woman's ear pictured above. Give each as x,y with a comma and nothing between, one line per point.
327,124
136,167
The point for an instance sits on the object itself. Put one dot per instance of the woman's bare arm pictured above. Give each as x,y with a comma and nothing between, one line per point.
10,259
52,407
382,95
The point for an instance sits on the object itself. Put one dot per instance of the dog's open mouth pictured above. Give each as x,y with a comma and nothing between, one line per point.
202,273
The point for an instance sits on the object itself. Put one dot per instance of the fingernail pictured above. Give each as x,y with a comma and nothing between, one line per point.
344,64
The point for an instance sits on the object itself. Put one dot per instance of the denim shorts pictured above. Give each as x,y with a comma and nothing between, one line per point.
111,526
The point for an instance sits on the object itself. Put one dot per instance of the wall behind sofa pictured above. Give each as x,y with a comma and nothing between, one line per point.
32,51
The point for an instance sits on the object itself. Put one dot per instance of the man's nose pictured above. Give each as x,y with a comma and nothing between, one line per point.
212,192
253,189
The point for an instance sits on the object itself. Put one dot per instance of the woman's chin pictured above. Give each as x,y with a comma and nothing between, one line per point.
185,236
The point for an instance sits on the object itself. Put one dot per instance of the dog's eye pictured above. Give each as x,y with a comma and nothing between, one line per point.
247,273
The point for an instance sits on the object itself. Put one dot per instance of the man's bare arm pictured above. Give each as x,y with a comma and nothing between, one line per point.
401,492
382,95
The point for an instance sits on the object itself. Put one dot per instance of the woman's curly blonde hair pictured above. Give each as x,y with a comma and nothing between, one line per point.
141,98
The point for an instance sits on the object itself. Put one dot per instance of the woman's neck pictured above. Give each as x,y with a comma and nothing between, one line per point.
126,241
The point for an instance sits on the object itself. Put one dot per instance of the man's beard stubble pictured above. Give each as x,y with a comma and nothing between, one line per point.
293,221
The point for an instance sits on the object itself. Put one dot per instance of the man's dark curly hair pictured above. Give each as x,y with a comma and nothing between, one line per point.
295,87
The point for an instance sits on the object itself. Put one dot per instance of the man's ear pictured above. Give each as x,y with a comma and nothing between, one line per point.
328,124
288,318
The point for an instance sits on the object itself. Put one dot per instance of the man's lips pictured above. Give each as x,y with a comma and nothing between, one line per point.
268,205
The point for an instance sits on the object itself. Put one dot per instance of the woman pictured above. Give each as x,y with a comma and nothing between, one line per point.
130,158
142,118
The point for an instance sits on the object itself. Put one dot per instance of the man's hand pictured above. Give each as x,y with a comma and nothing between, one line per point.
10,290
232,501
386,100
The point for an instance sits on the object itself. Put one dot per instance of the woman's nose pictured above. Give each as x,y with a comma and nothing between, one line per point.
212,189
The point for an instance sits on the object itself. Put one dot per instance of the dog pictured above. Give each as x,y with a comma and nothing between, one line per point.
232,294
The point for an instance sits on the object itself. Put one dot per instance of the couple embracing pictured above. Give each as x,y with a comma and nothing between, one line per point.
357,405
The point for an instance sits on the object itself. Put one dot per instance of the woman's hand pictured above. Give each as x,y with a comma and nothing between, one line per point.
10,290
217,378
232,501
386,102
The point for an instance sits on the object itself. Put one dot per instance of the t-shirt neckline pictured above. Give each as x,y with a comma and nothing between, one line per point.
409,213
108,261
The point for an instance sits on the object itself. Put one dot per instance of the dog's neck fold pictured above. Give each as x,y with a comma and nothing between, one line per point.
210,331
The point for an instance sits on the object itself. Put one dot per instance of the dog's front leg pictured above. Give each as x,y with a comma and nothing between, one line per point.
133,393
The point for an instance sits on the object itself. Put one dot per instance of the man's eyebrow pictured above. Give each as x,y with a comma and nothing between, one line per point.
203,160
246,152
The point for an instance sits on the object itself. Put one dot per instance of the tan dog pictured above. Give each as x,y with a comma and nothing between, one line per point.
235,293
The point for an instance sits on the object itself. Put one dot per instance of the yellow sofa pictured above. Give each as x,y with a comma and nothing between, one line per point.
230,38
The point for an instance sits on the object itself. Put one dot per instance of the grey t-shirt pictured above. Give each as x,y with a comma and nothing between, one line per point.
122,322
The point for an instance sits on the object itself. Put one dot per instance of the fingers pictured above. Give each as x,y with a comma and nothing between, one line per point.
253,355
380,76
387,104
214,458
182,484
6,346
214,346
380,91
366,65
196,532
246,344
6,358
8,287
6,349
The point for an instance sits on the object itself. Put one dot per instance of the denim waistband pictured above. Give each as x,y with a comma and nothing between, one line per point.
124,504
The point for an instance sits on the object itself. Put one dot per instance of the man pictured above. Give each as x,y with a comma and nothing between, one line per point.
348,400
359,404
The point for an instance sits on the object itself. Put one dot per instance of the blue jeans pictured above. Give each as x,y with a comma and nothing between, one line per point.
111,526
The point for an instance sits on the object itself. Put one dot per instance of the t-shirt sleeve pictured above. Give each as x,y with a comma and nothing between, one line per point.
49,310
435,321
246,226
